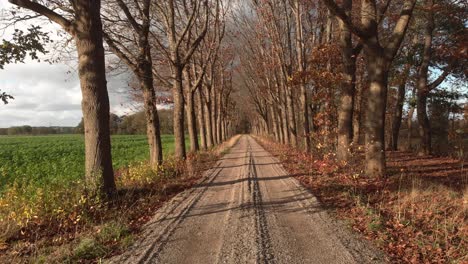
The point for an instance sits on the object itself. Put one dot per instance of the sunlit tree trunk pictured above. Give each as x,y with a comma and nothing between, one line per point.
178,94
375,121
398,115
346,105
357,115
207,112
301,68
201,119
423,86
190,111
95,102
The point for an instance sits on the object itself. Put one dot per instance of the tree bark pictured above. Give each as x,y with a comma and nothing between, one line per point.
218,119
423,122
274,121
397,117
410,122
208,125
357,115
345,110
213,116
375,121
152,124
179,135
95,102
201,119
396,123
281,126
191,122
190,112
301,68
422,85
291,116
378,60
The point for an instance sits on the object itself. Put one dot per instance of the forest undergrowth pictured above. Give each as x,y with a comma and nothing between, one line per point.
417,214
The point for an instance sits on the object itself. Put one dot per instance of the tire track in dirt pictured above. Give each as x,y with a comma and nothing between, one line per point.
246,210
263,239
178,207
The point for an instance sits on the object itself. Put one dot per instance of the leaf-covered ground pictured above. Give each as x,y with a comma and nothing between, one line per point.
418,214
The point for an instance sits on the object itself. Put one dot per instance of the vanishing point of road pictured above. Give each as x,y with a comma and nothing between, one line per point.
247,210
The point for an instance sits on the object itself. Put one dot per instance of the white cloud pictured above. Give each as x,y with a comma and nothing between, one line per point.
50,95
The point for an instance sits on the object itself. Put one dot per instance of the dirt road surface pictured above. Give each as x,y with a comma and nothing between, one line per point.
247,210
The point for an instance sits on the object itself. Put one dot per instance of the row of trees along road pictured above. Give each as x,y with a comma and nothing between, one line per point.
316,70
166,43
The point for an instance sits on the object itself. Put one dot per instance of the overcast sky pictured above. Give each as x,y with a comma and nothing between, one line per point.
49,95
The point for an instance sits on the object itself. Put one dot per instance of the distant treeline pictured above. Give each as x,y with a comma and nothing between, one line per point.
29,130
126,125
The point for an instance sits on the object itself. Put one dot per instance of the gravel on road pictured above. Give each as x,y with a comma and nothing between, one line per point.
247,210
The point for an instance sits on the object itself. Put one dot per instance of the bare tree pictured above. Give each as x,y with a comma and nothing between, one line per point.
379,53
178,18
131,28
83,22
347,98
298,10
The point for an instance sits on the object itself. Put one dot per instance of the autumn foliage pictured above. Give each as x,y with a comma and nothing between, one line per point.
416,215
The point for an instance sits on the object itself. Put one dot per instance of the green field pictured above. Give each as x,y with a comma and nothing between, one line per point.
60,158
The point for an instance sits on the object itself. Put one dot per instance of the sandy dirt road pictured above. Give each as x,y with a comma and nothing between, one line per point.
247,210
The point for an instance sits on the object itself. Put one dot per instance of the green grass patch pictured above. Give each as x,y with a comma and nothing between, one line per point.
59,159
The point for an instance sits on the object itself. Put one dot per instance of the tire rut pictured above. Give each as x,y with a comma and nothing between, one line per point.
263,238
246,210
158,237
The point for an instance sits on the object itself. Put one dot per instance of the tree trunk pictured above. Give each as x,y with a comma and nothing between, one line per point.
95,102
179,135
201,119
145,75
281,125
274,122
285,113
208,125
192,122
302,67
375,121
291,117
213,116
345,122
278,124
422,86
223,130
190,112
152,125
218,119
410,124
284,122
357,112
396,123
424,125
345,110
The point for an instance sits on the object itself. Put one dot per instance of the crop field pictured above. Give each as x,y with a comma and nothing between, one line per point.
56,159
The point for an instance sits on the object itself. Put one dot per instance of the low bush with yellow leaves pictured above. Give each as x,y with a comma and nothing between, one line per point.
24,205
57,221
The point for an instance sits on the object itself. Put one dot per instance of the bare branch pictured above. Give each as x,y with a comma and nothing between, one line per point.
50,14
